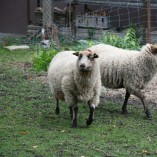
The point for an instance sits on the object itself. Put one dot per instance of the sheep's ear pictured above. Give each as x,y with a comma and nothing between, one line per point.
76,53
154,49
89,50
95,55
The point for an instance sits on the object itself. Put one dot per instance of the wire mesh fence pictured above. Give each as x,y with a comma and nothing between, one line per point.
109,15
81,19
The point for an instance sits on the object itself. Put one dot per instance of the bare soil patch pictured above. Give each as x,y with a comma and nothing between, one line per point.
112,95
118,95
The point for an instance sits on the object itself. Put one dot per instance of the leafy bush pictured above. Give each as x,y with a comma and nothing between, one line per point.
83,44
111,39
130,41
6,41
91,33
14,40
42,59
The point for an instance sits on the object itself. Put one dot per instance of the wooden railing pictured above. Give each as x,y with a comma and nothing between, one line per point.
91,21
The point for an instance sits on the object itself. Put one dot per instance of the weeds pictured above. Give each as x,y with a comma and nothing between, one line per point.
42,59
130,41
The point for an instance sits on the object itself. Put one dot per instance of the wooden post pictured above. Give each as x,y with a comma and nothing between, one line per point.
69,16
144,19
149,21
55,35
74,18
28,12
48,13
38,3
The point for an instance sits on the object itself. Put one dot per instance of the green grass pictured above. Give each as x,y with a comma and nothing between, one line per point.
15,56
29,127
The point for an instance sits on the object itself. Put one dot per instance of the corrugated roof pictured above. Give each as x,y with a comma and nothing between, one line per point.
133,3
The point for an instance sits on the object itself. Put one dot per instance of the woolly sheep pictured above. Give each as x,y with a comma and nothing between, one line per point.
127,69
75,77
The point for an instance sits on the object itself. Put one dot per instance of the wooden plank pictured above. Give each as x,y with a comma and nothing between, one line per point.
21,47
149,21
92,21
132,3
28,11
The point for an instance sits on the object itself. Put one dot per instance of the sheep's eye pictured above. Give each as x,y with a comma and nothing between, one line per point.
91,57
80,56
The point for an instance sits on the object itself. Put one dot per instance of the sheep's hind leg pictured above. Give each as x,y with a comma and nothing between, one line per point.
57,109
71,112
124,107
74,119
91,115
146,110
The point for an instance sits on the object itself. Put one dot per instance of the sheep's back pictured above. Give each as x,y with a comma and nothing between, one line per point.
61,64
115,64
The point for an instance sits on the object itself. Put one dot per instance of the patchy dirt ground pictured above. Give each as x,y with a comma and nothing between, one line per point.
118,95
112,95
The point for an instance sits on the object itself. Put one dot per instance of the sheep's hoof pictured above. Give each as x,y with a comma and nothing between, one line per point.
149,118
124,112
57,111
89,122
148,115
74,124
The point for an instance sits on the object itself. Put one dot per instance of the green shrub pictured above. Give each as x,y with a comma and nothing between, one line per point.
111,39
42,59
82,45
91,33
130,41
14,40
6,41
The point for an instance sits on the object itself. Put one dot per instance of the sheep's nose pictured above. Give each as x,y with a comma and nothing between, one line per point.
82,65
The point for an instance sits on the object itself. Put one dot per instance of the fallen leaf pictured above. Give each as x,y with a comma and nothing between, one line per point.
149,139
35,146
144,151
23,132
30,78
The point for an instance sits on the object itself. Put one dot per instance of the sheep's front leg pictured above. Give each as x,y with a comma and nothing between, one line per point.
91,115
74,117
72,101
124,107
142,97
71,112
57,110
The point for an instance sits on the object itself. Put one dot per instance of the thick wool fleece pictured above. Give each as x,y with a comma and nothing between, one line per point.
125,68
68,83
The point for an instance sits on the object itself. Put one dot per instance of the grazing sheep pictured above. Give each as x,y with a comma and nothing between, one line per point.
127,69
75,77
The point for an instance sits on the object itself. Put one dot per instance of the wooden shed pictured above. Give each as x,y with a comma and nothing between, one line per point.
105,14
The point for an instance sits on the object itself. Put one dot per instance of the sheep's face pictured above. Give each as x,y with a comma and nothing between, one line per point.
154,49
86,60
